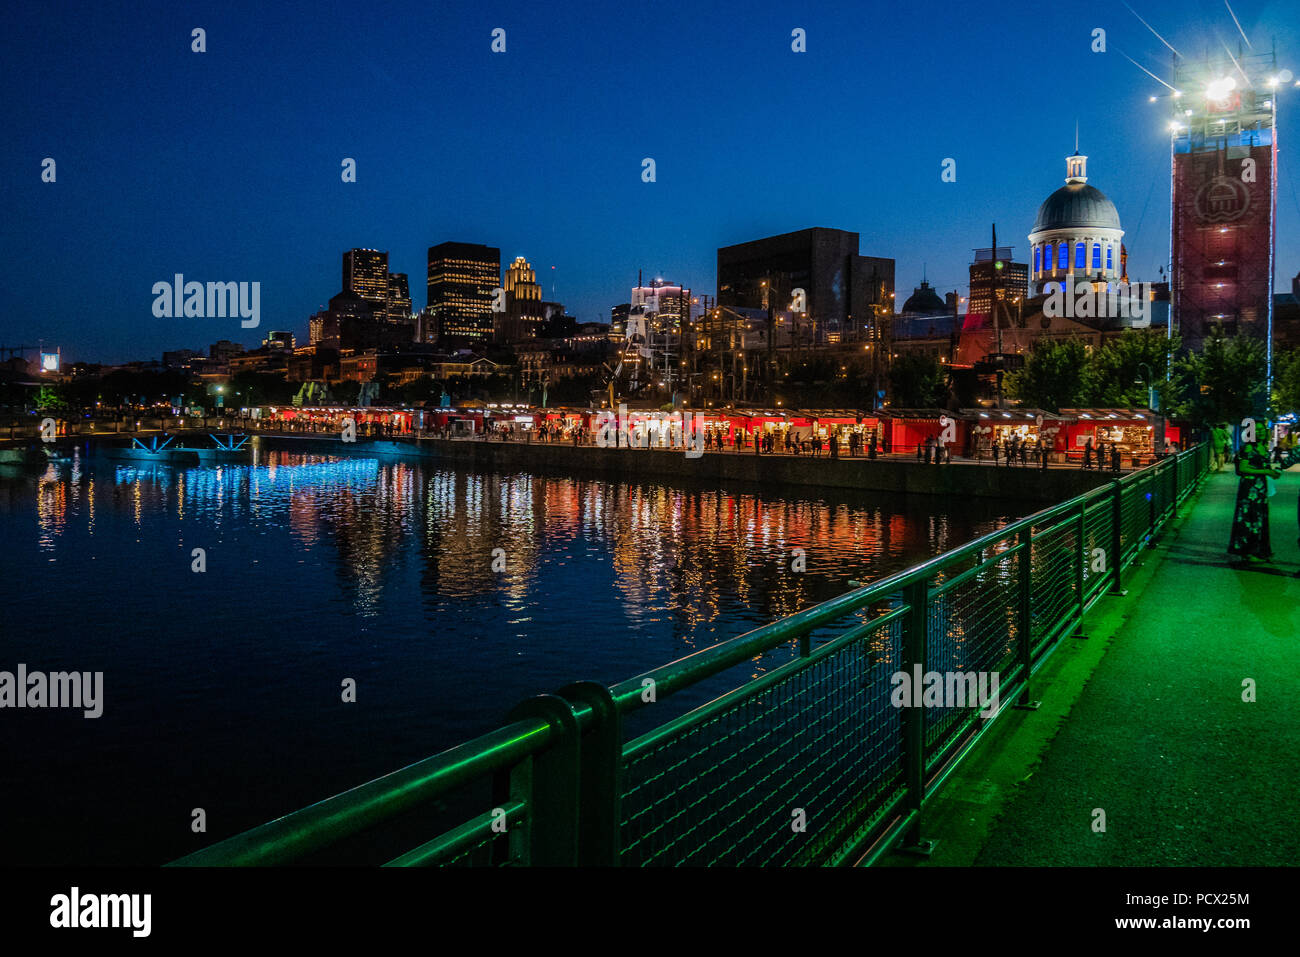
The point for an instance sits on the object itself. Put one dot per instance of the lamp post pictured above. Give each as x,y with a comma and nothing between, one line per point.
1153,402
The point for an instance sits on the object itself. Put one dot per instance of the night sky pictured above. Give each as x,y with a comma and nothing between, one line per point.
225,165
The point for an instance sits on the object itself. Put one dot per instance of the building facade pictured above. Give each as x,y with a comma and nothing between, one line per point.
365,273
997,276
462,283
844,294
397,306
524,312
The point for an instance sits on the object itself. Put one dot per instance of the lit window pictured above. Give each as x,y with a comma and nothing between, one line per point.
1063,256
1080,251
1038,259
1096,255
1110,258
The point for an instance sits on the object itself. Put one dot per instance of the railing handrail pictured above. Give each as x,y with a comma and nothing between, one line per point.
731,651
352,811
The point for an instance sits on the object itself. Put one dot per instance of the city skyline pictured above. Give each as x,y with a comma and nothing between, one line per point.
231,170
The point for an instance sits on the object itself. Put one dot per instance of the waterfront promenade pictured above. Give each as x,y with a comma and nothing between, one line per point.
898,472
1145,720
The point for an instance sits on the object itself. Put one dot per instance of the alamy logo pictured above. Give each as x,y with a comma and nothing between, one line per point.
58,689
216,300
75,909
947,689
1116,300
670,430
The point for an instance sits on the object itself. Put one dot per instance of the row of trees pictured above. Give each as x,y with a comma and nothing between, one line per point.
1224,382
125,390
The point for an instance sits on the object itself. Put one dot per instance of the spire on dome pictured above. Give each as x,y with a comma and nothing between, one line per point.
1076,167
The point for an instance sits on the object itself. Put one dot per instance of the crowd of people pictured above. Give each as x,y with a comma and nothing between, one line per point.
1013,451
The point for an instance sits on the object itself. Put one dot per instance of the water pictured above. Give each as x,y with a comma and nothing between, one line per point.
222,689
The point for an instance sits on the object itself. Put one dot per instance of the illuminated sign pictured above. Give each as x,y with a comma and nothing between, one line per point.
49,362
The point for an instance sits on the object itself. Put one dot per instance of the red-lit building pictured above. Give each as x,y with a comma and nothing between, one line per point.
1224,195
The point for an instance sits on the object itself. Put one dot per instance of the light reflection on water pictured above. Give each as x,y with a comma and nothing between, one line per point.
222,688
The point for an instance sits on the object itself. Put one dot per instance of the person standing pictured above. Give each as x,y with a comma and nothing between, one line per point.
1087,453
994,446
1114,456
1249,536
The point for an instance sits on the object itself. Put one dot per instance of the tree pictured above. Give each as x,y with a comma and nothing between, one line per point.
917,381
50,398
1286,381
1053,375
1120,372
1226,380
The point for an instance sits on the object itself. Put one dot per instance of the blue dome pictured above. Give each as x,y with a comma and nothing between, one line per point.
1075,205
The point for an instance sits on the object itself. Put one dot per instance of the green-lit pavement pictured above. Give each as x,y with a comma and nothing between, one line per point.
1146,722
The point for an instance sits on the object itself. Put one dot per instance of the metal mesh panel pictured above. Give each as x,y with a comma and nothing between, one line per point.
724,786
1097,532
971,626
479,854
1135,514
1054,576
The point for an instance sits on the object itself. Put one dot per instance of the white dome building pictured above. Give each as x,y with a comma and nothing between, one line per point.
1077,235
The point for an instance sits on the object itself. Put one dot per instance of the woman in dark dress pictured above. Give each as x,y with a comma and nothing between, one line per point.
1250,520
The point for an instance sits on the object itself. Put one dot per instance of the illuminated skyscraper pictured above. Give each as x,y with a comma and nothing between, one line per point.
996,275
463,279
365,272
524,311
398,305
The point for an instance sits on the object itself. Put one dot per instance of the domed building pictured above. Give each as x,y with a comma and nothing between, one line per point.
1077,236
924,301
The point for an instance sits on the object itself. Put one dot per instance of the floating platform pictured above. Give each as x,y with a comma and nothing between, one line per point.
224,450
168,456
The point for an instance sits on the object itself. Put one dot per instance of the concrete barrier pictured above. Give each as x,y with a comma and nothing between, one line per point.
956,480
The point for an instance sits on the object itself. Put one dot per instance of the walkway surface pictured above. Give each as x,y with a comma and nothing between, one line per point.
1153,729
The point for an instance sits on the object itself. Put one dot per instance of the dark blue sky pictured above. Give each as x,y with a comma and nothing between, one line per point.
225,165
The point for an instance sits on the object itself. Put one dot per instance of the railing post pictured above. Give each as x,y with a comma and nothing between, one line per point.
549,786
1117,539
916,594
1025,617
601,772
1151,508
1080,561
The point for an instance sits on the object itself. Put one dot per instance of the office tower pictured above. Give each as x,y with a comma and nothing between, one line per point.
462,283
365,273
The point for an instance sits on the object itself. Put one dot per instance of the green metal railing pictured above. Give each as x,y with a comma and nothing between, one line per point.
808,763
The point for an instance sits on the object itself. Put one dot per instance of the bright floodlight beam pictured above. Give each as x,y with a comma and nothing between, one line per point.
1238,66
1238,23
1146,71
1152,29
